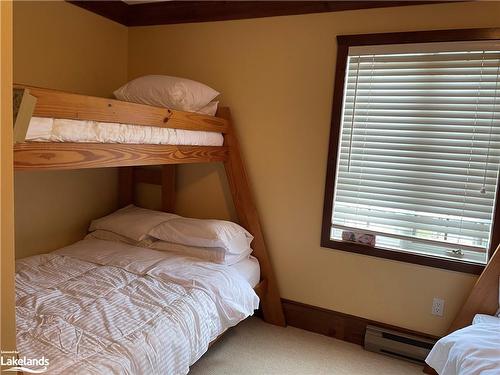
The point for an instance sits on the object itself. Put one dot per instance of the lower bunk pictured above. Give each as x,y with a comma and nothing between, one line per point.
103,306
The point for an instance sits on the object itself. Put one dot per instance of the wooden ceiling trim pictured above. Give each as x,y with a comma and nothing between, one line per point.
172,12
117,11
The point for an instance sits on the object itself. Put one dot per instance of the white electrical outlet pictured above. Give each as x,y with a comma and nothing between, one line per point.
438,306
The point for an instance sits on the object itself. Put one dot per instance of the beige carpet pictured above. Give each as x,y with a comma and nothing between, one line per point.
256,348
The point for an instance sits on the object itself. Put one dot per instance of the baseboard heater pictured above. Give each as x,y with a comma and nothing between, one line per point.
396,344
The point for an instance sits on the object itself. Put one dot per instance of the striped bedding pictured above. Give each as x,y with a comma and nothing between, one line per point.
102,307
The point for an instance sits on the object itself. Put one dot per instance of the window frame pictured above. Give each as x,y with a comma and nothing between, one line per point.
343,44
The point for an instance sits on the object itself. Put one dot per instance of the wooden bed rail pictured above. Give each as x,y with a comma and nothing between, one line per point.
66,155
65,105
41,102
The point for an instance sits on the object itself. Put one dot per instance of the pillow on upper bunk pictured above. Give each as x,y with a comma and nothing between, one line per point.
227,235
211,254
210,109
131,222
170,92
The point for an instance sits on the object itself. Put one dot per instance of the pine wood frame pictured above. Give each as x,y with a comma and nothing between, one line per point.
62,156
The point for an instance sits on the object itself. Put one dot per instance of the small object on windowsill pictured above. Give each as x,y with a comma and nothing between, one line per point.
456,252
359,237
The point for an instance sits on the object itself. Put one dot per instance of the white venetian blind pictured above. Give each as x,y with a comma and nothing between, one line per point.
420,147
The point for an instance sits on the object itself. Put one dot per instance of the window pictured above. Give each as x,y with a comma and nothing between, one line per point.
415,152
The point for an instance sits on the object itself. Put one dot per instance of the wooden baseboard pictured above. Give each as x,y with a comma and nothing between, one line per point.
335,324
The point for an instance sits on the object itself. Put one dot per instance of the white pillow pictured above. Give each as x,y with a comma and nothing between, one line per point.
131,222
210,254
204,233
210,109
170,92
106,235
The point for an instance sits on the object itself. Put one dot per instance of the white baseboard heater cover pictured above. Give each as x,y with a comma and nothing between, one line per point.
396,344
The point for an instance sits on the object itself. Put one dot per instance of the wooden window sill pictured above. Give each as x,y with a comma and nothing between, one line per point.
421,259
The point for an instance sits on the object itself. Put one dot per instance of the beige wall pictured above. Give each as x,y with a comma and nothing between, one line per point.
7,326
61,46
277,76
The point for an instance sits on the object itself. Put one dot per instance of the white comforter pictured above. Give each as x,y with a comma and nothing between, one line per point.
101,307
472,350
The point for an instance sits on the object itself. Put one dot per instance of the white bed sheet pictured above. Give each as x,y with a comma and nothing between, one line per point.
103,307
43,129
472,350
249,269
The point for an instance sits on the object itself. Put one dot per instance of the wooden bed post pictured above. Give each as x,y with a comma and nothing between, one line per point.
168,188
248,217
125,186
128,177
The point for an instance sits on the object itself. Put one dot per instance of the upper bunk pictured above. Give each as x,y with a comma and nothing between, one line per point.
41,103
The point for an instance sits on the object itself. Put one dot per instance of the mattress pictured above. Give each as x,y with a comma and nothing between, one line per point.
104,307
43,129
471,350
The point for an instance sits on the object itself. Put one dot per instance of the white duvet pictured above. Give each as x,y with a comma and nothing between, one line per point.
102,307
472,350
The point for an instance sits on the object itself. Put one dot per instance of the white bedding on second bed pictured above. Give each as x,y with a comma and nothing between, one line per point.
43,129
249,269
104,307
471,350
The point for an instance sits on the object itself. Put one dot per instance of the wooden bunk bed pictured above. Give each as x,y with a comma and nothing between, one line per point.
39,156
